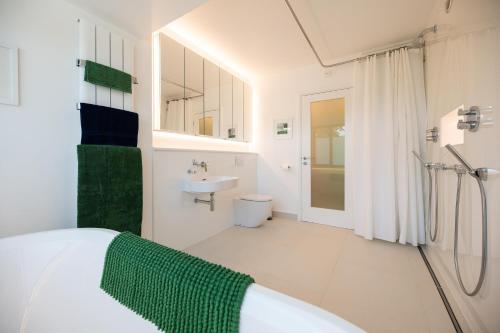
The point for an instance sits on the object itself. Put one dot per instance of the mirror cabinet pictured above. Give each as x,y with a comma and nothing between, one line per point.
200,98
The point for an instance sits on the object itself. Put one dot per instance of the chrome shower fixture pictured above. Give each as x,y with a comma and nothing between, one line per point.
460,158
472,118
429,165
432,134
432,188
477,175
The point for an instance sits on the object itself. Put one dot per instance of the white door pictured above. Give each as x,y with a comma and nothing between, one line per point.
325,152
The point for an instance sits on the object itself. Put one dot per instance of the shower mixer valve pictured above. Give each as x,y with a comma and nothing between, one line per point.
473,117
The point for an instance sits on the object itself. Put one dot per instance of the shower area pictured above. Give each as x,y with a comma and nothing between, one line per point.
462,157
426,158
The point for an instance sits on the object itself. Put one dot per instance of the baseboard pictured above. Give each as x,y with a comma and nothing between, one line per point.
283,215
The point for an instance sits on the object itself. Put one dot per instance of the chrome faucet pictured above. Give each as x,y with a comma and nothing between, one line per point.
202,164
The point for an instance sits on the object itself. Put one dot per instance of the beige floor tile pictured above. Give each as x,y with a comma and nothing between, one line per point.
381,256
312,260
299,289
380,286
375,301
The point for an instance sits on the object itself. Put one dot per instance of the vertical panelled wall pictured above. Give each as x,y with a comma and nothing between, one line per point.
108,48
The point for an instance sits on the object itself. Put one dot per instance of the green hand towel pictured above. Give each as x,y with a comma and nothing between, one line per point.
110,187
172,289
105,76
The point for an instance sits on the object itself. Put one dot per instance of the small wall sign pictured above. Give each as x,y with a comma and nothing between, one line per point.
283,128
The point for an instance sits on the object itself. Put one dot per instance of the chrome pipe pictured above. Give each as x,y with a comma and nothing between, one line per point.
210,202
428,166
436,207
416,43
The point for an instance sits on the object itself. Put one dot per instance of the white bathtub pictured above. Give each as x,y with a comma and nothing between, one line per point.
49,282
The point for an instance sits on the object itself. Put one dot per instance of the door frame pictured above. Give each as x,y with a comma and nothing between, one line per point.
346,93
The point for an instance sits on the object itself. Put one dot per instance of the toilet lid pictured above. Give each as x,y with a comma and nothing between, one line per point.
256,197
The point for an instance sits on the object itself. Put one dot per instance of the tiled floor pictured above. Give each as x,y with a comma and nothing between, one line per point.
379,286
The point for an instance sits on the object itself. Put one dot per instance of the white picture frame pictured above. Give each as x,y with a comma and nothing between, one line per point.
283,129
9,75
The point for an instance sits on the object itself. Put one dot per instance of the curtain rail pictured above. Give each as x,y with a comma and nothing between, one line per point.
417,43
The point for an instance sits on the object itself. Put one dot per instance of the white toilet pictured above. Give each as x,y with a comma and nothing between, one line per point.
251,210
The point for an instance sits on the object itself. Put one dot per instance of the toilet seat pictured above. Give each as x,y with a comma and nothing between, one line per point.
256,197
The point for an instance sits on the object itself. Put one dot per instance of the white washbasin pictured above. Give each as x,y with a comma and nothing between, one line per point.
209,184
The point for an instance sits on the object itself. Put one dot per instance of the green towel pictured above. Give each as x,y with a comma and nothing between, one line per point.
172,289
107,77
110,187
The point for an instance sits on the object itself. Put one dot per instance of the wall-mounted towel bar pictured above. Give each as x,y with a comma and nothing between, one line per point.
81,63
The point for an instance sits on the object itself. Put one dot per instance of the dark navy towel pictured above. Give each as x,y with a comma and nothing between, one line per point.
102,125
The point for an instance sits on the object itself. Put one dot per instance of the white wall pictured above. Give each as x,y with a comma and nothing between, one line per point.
38,167
38,164
279,97
471,77
138,17
178,221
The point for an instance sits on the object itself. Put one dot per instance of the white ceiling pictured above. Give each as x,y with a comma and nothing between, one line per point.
262,36
139,18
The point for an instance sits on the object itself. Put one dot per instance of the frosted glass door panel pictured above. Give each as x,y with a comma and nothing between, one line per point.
328,154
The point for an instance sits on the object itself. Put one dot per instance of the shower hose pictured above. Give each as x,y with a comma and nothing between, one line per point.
484,235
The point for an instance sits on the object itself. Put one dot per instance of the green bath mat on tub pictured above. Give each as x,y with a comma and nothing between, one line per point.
174,290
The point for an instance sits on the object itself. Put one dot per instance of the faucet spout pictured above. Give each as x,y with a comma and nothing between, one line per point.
201,164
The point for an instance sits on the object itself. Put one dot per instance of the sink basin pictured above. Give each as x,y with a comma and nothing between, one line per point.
209,184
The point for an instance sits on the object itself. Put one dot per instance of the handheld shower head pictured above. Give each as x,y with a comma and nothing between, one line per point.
460,158
419,158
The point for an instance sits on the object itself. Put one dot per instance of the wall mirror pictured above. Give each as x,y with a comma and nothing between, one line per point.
198,97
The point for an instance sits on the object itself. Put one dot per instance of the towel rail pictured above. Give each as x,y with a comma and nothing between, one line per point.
82,63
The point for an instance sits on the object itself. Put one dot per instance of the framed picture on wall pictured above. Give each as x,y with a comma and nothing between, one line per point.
283,128
9,91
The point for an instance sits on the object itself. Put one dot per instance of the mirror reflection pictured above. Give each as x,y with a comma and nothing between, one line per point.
200,98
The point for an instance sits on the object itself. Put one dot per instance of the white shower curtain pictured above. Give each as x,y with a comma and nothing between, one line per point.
173,117
388,122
